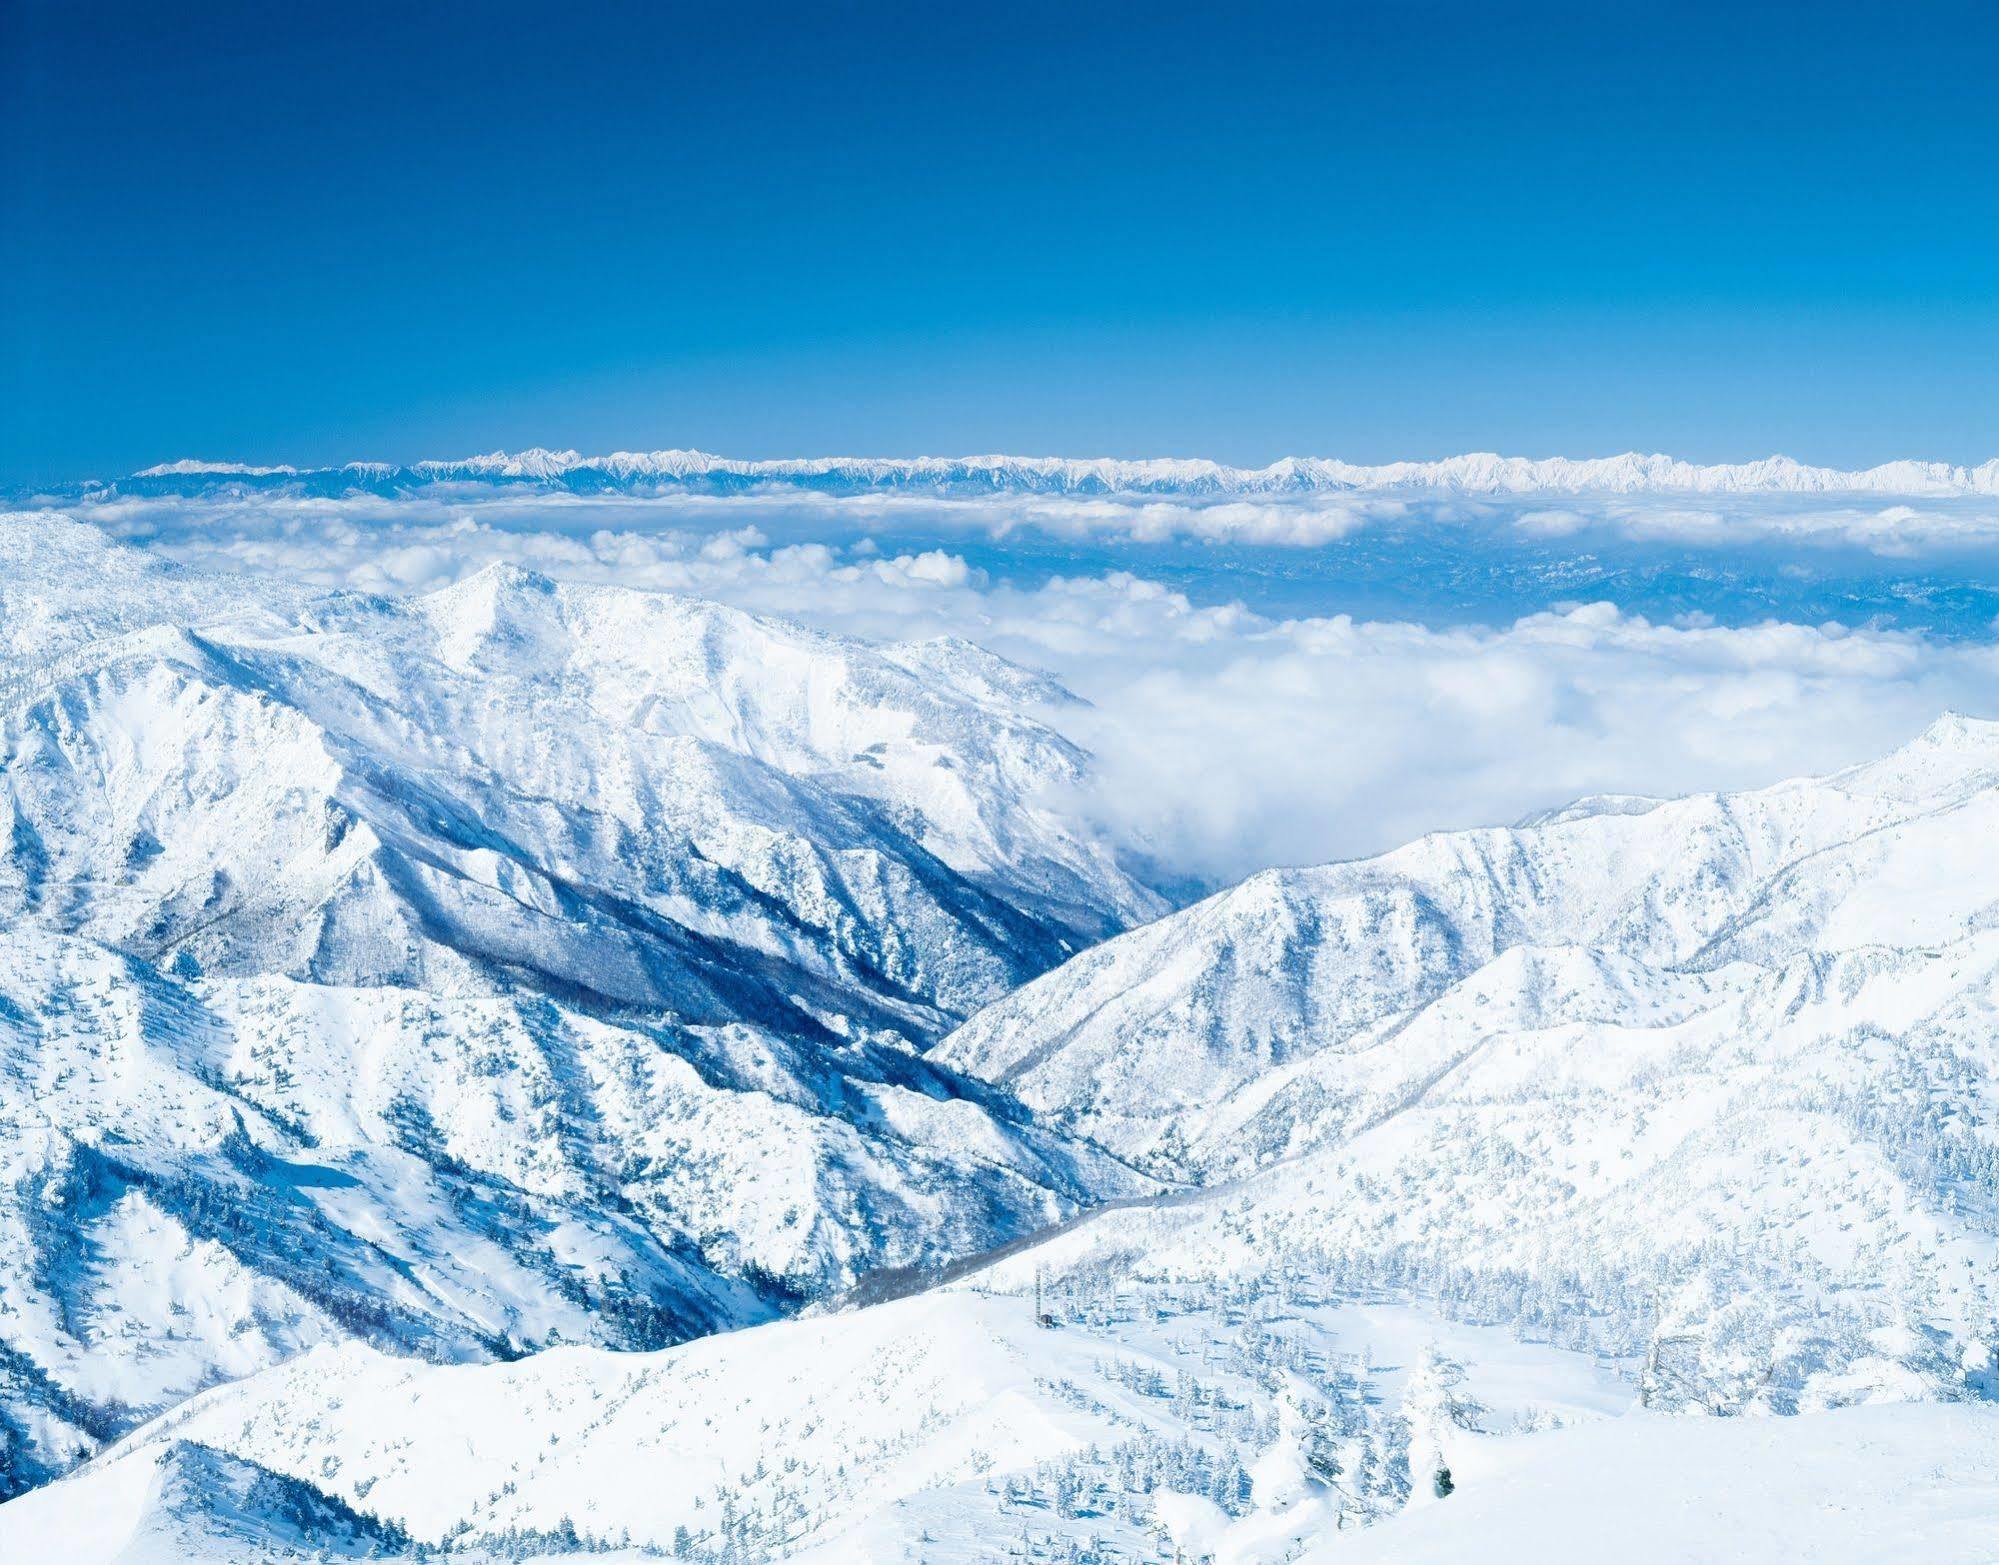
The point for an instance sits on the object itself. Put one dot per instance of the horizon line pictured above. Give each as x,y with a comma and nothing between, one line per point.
1479,471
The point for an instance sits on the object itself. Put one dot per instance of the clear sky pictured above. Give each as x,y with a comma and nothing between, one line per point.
314,232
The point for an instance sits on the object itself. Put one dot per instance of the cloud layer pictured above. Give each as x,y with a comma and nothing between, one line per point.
1234,730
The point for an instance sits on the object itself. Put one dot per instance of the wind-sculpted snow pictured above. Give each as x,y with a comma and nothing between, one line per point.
1477,473
515,965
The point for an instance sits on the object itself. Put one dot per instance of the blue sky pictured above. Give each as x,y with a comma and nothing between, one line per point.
311,233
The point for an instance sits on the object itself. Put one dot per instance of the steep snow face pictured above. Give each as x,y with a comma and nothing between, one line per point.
938,735
199,1179
1478,472
516,965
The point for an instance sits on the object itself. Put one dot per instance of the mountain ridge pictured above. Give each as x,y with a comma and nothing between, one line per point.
519,963
464,1058
670,469
1228,987
1672,1111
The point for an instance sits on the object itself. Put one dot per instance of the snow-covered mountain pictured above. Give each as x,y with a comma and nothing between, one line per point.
1303,1004
186,1503
199,1178
1642,1108
946,1427
1476,473
518,964
1149,1422
1701,1085
458,1056
700,763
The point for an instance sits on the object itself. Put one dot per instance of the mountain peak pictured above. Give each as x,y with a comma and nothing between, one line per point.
1954,756
1479,472
1954,730
501,576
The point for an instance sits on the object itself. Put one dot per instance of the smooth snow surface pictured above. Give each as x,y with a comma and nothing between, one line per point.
1850,1488
184,1503
915,1430
951,1428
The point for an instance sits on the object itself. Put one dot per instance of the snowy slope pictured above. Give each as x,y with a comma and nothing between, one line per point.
518,964
1640,1110
1703,1086
1153,1423
183,1502
421,1018
1848,1488
929,1429
200,1178
1480,473
479,780
1777,1199
1271,1016
65,584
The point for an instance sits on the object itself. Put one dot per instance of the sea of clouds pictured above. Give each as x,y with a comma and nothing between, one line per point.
1288,680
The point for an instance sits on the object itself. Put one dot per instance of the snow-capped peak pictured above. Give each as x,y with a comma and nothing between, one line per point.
1955,756
189,467
1472,473
519,963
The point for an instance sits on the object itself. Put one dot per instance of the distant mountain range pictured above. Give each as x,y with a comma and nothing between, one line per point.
641,472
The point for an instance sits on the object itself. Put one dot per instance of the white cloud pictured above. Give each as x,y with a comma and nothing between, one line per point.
1280,521
1550,524
1227,739
1895,531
